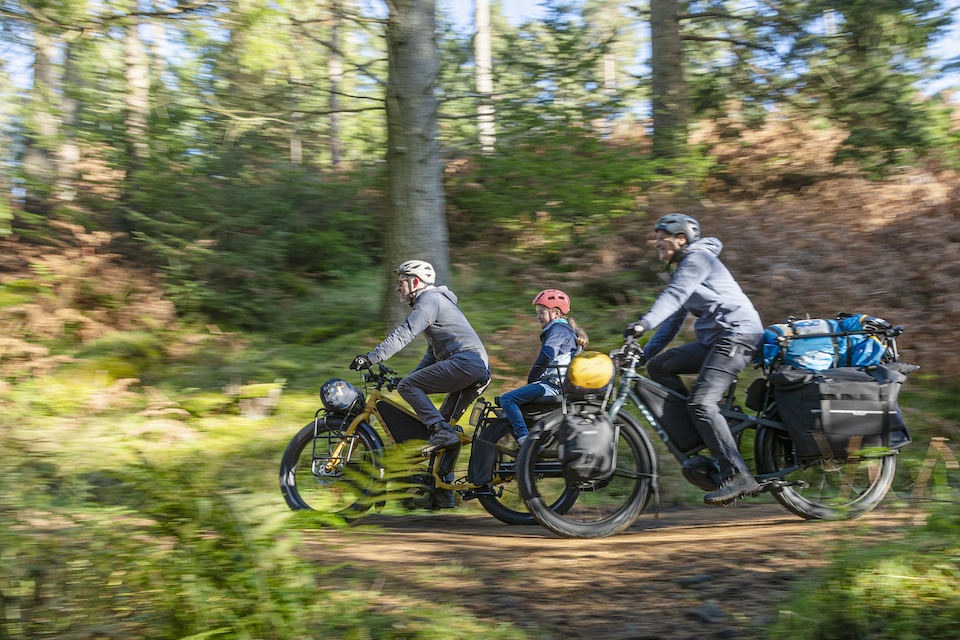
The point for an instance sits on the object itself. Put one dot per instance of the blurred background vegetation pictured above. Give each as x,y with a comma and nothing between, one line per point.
196,208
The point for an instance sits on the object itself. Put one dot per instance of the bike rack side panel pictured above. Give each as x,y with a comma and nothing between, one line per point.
402,425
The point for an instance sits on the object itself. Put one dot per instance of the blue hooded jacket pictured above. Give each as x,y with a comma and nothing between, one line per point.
702,286
558,348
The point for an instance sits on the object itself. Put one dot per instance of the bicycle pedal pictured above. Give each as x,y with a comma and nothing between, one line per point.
772,485
475,493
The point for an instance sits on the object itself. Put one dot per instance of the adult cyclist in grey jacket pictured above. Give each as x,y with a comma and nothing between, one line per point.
728,331
455,362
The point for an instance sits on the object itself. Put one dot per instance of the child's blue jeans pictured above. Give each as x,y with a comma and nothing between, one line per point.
510,401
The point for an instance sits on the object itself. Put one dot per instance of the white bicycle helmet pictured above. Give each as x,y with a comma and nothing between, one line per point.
418,269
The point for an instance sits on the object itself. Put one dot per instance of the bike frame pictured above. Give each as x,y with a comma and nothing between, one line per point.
625,393
373,408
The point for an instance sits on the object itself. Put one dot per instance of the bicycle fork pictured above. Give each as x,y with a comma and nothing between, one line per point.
332,464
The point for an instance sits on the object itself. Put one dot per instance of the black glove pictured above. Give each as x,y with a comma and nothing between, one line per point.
633,331
361,362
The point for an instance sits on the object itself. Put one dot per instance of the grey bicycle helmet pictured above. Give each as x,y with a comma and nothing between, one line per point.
674,223
418,269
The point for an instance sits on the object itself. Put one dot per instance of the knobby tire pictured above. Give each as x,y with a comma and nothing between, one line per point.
506,504
350,494
838,489
602,509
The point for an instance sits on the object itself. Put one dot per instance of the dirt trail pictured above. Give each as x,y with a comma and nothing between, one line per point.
699,573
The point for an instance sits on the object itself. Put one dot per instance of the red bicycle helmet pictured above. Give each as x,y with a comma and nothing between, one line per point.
553,299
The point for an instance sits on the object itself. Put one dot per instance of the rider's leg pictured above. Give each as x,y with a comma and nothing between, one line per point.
510,401
725,361
456,403
451,409
441,498
447,376
666,367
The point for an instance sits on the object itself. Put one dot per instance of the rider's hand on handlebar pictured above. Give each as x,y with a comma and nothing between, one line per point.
361,362
633,331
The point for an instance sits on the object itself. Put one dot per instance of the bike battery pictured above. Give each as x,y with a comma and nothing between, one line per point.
401,425
670,410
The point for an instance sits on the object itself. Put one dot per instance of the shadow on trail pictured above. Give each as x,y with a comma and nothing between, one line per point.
477,524
685,575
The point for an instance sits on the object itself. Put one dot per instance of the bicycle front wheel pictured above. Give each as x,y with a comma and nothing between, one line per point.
504,502
838,489
324,470
603,508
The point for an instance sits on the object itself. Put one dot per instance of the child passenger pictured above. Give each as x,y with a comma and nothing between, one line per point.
562,339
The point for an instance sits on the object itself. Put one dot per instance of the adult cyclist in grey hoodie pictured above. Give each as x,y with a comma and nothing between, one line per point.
455,362
728,331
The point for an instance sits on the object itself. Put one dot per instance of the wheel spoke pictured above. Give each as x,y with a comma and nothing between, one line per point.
603,507
844,488
313,478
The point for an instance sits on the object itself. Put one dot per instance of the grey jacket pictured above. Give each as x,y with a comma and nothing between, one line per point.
448,332
701,285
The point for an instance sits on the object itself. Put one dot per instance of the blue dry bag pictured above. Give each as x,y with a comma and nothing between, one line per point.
846,341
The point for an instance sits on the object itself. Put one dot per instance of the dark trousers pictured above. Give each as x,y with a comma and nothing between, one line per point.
718,367
456,377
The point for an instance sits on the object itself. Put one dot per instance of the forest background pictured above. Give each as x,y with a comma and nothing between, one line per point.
201,204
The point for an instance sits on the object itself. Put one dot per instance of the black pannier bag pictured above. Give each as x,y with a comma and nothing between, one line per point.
670,410
835,412
483,454
588,446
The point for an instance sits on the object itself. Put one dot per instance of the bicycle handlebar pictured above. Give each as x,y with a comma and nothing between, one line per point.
386,376
630,353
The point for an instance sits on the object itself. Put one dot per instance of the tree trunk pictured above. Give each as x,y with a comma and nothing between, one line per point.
137,99
68,154
609,81
335,71
668,99
416,225
484,61
38,160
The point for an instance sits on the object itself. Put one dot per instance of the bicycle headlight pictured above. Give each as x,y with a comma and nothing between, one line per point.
339,395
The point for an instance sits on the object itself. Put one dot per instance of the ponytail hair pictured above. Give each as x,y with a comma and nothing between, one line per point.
582,339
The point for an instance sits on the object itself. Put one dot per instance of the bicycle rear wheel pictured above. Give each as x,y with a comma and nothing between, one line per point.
315,475
839,489
602,508
505,503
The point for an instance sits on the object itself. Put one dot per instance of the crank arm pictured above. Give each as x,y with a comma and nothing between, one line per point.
470,494
776,485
